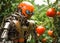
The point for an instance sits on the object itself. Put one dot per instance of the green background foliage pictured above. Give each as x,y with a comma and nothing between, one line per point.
7,7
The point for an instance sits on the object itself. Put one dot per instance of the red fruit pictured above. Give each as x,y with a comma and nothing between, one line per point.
58,12
21,40
50,32
51,12
40,30
44,40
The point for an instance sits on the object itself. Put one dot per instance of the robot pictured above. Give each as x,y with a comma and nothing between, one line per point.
17,27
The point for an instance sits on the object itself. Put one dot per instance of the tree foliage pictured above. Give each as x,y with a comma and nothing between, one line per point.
7,7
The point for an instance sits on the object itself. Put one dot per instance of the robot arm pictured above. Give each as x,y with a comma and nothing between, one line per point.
5,31
8,25
6,28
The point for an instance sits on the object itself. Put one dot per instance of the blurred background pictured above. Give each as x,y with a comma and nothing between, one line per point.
7,7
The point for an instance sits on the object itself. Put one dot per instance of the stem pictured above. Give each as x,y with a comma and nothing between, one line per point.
48,3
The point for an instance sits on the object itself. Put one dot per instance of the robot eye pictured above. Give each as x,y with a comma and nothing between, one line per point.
27,12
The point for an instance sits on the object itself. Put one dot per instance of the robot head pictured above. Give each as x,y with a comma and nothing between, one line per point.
27,9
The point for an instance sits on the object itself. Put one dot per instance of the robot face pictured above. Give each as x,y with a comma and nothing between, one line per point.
27,9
